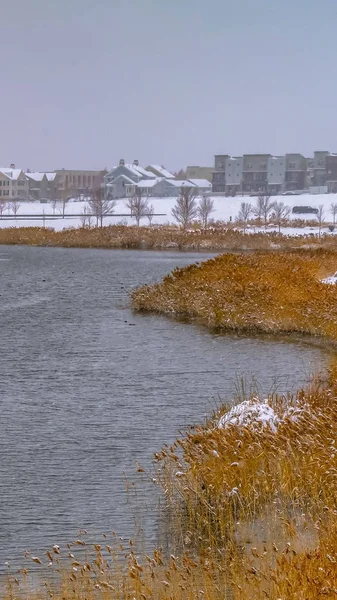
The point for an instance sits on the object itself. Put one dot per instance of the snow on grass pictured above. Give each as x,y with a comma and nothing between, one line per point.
225,209
332,280
259,414
251,413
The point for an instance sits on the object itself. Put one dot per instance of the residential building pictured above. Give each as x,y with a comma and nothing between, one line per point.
13,184
219,173
318,171
269,174
276,174
234,175
331,172
171,187
255,173
121,181
76,183
146,186
42,186
201,186
296,170
195,172
159,171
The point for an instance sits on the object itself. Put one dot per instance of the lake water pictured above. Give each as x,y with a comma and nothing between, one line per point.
88,388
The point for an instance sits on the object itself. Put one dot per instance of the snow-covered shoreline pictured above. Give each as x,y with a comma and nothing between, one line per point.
225,209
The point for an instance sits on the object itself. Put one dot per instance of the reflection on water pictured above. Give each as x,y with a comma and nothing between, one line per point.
88,388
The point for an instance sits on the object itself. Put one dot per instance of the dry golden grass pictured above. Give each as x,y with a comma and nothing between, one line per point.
159,238
253,515
270,493
260,292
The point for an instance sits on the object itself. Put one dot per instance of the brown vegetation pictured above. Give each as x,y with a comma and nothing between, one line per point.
262,496
252,515
214,239
260,292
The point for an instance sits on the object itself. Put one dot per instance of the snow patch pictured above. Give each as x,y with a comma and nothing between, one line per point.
251,413
258,414
332,280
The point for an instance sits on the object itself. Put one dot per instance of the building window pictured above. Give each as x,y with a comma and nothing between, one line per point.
292,165
263,166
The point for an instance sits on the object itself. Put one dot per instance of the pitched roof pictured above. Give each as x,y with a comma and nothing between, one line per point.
124,177
12,174
148,183
162,171
201,183
135,170
144,172
35,176
180,182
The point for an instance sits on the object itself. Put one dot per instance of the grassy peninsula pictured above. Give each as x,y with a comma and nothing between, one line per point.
262,292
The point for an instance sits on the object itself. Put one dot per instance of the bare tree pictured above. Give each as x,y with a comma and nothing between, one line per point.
99,206
54,204
150,213
185,209
320,218
244,213
138,206
333,210
3,206
64,203
280,213
263,208
89,219
84,217
14,206
205,209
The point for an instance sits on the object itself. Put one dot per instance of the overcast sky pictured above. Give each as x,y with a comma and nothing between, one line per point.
86,82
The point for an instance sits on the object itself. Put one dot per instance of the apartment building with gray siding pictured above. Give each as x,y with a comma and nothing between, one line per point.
269,174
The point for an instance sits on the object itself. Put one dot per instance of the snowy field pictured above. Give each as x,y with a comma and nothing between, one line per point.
226,209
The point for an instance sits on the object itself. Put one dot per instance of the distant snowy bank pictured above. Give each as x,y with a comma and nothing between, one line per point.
225,209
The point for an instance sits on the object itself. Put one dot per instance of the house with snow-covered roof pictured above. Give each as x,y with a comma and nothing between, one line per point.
146,187
42,186
13,184
170,188
202,186
121,181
